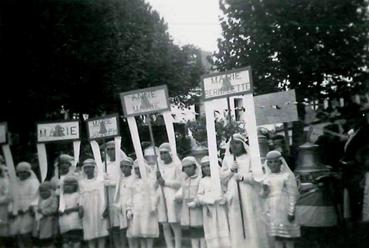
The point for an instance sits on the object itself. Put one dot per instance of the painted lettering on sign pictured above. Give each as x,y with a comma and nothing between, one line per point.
145,101
103,128
227,84
59,131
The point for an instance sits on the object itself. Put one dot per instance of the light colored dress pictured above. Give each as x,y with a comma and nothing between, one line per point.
142,201
171,173
46,226
281,202
70,221
93,202
190,217
4,204
113,173
26,197
215,216
254,223
121,200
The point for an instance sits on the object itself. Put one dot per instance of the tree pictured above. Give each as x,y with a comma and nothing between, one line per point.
319,48
80,54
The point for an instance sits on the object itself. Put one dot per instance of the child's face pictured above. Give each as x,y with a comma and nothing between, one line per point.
205,170
237,147
138,172
126,169
274,165
165,156
64,168
45,193
89,171
190,170
69,188
23,175
111,153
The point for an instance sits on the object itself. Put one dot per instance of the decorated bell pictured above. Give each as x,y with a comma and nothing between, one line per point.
307,160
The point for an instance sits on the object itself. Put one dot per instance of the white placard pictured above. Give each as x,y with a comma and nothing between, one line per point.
234,82
58,131
101,128
145,101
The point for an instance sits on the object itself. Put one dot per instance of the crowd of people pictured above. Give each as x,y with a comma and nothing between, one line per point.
127,204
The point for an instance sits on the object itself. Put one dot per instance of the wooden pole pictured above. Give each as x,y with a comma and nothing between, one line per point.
238,183
157,164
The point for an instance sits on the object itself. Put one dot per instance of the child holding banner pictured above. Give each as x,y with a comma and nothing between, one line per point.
169,178
214,210
247,226
191,212
26,197
142,213
93,205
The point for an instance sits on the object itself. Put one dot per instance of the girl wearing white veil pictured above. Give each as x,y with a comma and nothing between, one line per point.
247,226
92,201
280,190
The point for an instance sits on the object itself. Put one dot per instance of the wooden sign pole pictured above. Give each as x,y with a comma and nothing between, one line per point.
156,161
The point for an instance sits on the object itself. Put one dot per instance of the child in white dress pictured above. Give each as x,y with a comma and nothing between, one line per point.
214,210
142,212
280,191
70,223
94,212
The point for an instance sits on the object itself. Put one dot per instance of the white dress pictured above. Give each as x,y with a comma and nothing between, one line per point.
254,223
93,202
26,197
171,174
142,201
122,199
113,172
215,216
70,221
280,203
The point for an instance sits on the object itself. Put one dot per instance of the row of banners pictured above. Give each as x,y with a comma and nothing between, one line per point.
156,100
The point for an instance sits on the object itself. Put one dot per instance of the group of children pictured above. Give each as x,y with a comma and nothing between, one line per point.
249,211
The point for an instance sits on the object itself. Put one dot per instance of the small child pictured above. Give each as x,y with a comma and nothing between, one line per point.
121,197
92,201
143,226
214,210
280,190
46,227
26,198
191,213
70,223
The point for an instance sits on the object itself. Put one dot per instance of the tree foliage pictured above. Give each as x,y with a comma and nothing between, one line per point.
319,48
81,54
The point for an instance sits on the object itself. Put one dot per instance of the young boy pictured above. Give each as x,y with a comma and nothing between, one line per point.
191,213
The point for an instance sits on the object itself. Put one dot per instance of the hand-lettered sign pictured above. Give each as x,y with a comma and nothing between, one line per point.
230,83
104,127
276,107
3,132
58,131
145,101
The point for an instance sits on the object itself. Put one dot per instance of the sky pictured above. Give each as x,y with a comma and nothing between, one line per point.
191,21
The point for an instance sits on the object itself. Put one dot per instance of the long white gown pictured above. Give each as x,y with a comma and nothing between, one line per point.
93,202
214,215
253,221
